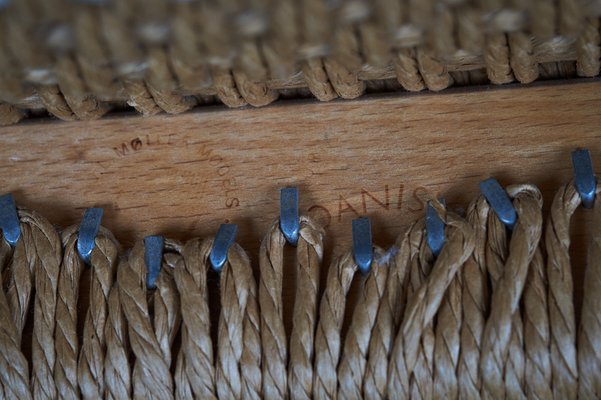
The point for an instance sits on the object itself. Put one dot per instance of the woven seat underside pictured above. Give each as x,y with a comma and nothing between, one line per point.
79,60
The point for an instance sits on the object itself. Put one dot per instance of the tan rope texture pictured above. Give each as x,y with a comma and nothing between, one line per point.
84,361
76,60
492,316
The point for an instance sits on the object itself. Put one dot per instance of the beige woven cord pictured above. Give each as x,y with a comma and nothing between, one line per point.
77,60
573,368
309,254
502,363
329,342
423,303
34,264
589,346
239,354
81,372
195,370
388,316
492,316
152,320
561,304
475,304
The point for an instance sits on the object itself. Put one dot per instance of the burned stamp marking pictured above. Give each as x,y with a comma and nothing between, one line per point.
139,143
337,208
363,201
212,160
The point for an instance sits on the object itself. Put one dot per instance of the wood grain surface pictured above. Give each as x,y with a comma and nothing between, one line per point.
380,156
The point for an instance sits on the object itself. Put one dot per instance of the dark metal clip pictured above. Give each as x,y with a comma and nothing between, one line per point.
363,251
499,201
289,219
584,177
434,229
153,257
9,219
223,241
86,239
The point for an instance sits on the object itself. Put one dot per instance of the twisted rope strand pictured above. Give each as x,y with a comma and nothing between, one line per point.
197,359
117,368
92,52
421,328
45,257
150,344
317,79
343,65
67,346
422,377
417,236
588,51
14,368
423,304
126,56
516,364
475,304
376,31
273,337
327,337
10,115
281,45
589,333
20,280
503,320
536,331
353,361
407,70
239,349
448,340
166,303
86,374
561,305
388,318
90,369
309,256
185,53
521,56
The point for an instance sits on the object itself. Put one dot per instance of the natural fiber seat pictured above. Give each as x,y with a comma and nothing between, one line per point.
79,60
